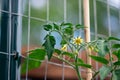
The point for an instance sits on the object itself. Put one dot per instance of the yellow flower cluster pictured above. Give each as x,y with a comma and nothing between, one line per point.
64,48
77,40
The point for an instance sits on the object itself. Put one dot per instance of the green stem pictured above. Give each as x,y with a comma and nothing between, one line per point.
112,72
111,63
61,59
77,68
66,40
78,72
63,36
94,76
110,55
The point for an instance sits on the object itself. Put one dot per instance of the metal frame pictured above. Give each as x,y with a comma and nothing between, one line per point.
8,40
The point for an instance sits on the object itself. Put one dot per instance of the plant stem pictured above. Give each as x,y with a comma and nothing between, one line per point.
111,63
110,55
77,68
112,72
66,40
78,72
96,73
63,36
61,59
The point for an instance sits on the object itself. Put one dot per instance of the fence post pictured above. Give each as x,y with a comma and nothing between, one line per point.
87,34
8,39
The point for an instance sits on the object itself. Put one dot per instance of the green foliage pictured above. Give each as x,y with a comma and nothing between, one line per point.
68,54
79,26
63,42
57,51
116,75
71,55
100,59
102,48
49,45
71,50
48,27
80,60
33,60
114,38
56,27
66,24
68,31
117,53
104,71
116,46
84,65
117,63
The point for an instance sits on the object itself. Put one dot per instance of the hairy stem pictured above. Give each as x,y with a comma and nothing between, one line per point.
61,59
78,72
77,68
63,36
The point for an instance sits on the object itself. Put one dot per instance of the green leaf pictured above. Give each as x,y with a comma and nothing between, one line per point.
116,46
116,75
68,31
63,42
117,53
102,47
117,63
49,45
104,71
37,54
66,24
62,24
100,59
114,38
72,56
58,51
80,60
68,54
47,27
84,65
56,26
78,26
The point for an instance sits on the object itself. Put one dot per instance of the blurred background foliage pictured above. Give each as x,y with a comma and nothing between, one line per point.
40,16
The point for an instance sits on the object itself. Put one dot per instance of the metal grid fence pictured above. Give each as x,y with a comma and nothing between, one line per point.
20,14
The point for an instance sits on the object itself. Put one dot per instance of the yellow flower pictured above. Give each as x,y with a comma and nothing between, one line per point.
64,48
77,40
